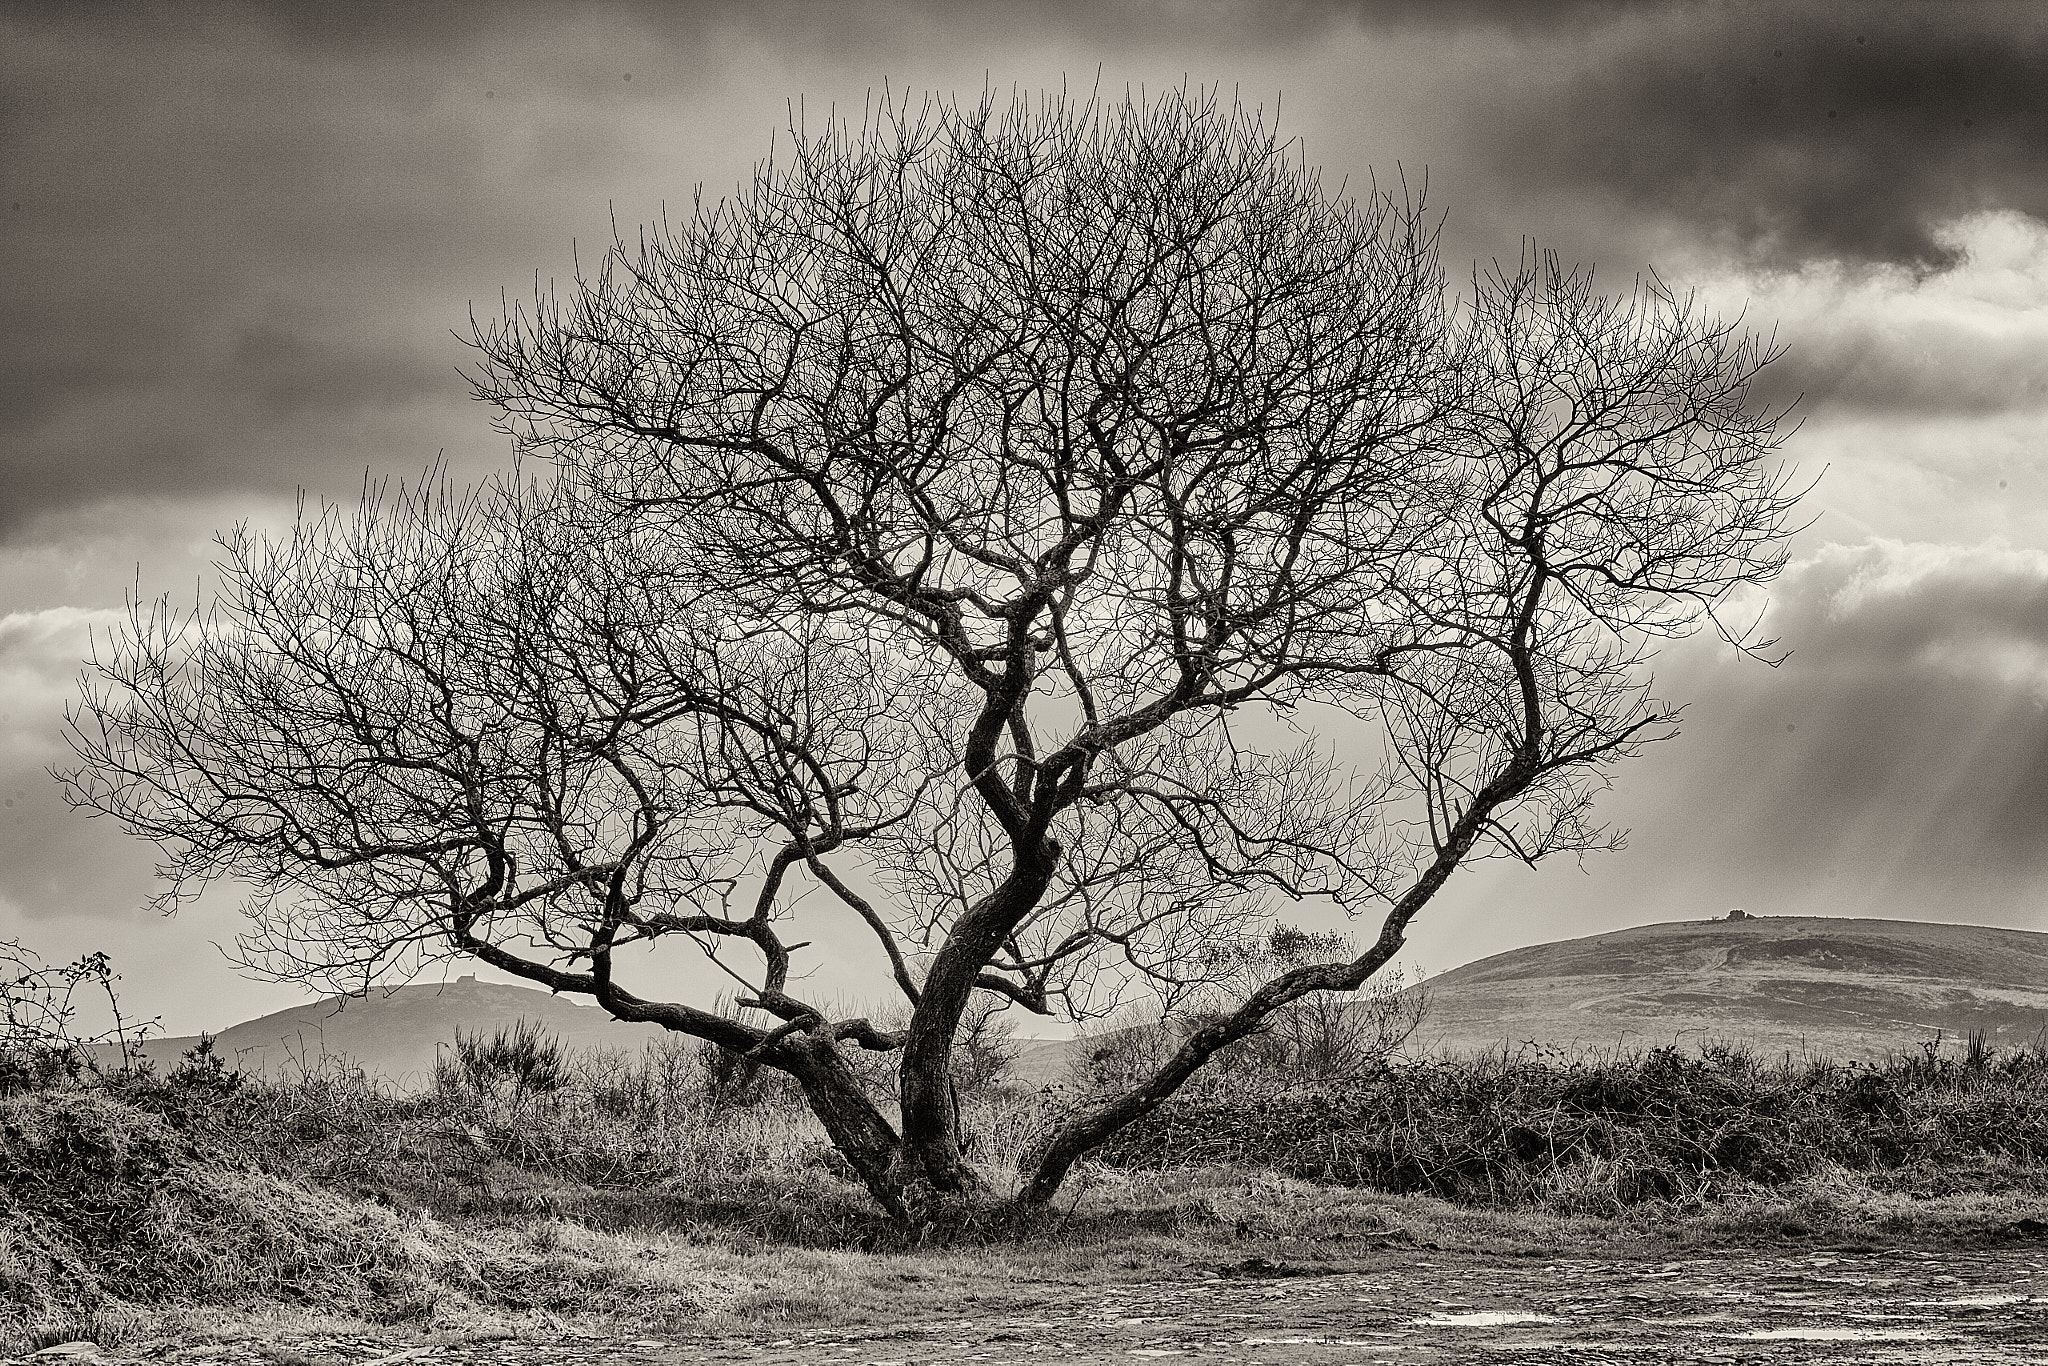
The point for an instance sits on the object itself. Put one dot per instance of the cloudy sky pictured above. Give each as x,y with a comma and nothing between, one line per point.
236,240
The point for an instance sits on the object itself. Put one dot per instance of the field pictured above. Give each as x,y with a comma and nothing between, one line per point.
534,1194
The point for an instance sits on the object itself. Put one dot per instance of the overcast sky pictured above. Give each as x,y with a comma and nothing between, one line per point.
235,242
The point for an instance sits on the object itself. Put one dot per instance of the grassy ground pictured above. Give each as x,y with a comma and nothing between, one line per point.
651,1196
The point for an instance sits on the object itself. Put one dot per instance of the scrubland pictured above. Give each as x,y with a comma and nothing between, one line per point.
529,1188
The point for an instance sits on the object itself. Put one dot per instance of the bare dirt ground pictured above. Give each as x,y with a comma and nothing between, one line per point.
1982,1306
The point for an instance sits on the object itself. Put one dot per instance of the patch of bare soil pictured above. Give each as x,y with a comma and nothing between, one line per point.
1982,1306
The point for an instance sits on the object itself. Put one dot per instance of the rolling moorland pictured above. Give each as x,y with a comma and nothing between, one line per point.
1841,988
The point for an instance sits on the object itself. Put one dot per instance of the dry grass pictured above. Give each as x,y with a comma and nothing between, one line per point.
627,1197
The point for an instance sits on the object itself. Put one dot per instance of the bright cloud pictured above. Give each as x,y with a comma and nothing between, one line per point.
40,656
1970,338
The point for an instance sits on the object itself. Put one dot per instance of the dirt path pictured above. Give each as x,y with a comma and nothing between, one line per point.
1865,1307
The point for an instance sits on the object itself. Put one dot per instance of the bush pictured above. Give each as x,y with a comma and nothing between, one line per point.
108,1203
124,1192
524,1058
1512,1129
121,1200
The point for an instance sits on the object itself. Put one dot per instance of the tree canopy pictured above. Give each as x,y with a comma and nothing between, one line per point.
1039,535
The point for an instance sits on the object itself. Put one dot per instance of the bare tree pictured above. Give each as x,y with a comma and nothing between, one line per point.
1039,536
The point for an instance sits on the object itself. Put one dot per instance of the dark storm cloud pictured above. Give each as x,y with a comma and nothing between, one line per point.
177,201
237,236
1787,132
245,229
234,265
791,25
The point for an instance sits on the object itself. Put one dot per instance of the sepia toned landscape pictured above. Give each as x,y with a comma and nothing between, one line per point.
909,682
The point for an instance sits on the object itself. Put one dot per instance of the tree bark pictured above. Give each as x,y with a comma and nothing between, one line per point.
930,1127
861,1133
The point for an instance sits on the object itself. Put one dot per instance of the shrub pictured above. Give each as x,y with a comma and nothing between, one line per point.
41,1036
525,1058
1508,1129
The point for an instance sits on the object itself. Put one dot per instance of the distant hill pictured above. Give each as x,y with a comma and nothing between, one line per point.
1845,988
395,1032
1841,987
1822,985
1042,1062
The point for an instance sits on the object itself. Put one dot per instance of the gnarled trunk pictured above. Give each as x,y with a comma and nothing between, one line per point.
931,1130
861,1133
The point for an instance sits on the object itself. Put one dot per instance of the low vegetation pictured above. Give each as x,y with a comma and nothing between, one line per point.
532,1187
1598,1133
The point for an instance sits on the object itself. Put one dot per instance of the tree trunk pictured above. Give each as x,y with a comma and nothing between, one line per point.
857,1129
931,1135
